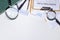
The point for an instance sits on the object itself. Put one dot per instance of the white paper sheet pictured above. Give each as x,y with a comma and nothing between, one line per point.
47,3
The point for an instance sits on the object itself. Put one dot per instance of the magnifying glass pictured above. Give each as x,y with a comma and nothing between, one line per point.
51,15
12,13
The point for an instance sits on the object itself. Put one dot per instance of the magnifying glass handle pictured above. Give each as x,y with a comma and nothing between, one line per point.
57,21
22,4
9,2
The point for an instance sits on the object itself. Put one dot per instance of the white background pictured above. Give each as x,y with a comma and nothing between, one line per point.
28,27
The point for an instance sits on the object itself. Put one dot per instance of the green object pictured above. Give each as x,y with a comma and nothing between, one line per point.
4,4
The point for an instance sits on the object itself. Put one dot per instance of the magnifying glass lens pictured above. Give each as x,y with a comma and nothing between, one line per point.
51,15
12,12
